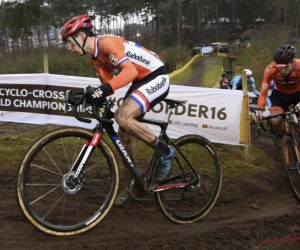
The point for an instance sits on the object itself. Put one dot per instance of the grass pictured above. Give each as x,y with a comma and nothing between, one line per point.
235,165
13,146
186,74
212,72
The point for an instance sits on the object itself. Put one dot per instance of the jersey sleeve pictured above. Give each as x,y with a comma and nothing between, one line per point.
265,86
113,48
235,82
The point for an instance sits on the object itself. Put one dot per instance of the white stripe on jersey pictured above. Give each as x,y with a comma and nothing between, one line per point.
123,60
96,48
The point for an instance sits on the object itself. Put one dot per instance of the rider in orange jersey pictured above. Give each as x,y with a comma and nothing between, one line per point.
131,63
285,72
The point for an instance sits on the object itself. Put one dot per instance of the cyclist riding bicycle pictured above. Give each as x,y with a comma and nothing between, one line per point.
236,82
285,72
224,82
136,64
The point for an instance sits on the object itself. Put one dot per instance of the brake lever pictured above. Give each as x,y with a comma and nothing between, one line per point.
84,102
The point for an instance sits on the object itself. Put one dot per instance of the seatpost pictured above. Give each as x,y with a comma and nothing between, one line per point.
170,112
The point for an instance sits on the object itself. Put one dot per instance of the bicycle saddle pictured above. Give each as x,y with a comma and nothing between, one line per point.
171,101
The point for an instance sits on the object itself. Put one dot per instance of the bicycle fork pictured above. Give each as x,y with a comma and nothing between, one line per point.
85,153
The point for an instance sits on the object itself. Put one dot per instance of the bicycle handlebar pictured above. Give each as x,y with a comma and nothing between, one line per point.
95,108
281,114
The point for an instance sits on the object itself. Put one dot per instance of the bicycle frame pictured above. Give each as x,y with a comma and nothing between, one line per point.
289,123
290,128
104,123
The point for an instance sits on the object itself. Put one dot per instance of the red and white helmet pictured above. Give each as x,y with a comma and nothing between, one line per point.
74,24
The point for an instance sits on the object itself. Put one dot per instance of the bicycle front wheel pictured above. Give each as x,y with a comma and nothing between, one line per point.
291,164
193,202
254,124
45,190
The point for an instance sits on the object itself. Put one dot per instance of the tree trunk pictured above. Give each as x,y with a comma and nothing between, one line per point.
199,20
179,23
233,10
217,23
285,14
297,22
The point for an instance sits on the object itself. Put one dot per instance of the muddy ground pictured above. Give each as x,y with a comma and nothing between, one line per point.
253,212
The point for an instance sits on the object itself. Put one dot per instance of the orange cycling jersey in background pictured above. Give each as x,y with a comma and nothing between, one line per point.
283,84
132,61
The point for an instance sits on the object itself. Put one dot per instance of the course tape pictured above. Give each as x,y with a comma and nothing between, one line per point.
177,72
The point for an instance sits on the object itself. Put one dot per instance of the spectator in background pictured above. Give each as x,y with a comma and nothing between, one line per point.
224,82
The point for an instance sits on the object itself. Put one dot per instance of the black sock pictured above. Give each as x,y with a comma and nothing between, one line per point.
159,147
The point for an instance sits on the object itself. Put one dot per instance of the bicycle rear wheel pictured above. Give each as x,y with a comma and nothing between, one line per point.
45,191
254,124
291,165
193,202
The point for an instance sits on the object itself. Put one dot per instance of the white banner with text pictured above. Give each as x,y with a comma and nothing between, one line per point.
39,99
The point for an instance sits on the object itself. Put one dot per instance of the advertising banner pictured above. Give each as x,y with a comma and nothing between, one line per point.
39,99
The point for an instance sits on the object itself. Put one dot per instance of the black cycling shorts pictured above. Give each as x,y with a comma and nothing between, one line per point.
284,100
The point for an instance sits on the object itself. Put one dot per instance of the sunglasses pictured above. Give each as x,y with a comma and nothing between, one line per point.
282,66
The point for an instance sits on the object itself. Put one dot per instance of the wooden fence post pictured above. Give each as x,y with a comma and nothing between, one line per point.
46,70
245,116
46,64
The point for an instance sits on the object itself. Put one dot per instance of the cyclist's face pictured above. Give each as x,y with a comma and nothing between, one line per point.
285,69
73,46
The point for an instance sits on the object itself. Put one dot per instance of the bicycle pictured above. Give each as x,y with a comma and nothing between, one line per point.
290,148
256,126
52,180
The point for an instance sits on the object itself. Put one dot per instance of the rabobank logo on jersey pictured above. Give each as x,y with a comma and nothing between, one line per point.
157,86
138,57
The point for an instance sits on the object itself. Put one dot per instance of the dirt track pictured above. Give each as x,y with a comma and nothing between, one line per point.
250,212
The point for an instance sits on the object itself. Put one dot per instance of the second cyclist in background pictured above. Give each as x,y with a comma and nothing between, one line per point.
237,84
